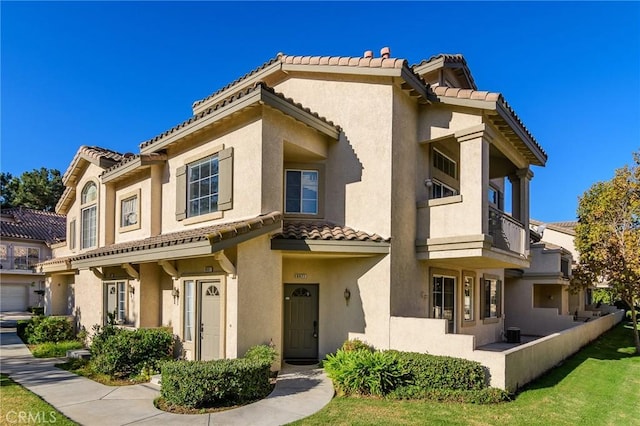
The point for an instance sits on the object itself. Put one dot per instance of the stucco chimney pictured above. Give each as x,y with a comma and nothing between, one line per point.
385,52
368,54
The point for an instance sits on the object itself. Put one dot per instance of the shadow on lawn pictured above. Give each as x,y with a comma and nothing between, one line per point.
615,344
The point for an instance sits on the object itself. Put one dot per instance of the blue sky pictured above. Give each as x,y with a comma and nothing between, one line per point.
114,74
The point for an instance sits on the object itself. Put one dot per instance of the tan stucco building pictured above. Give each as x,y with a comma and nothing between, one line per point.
26,239
312,200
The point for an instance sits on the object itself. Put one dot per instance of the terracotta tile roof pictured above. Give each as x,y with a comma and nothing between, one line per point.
313,60
228,101
55,261
301,230
129,157
91,152
448,59
349,61
29,224
482,95
568,224
213,233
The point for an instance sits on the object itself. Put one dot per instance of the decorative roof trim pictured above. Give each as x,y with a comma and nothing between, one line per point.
101,157
495,102
131,164
239,101
394,67
445,60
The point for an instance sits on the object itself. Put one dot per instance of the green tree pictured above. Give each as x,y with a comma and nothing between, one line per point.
39,189
7,189
608,237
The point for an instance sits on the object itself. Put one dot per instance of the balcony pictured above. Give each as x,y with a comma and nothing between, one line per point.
452,232
507,233
19,264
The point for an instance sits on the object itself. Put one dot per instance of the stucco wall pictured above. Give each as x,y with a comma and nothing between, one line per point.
259,295
89,299
529,361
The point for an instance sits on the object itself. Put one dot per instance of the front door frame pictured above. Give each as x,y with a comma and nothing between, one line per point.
314,327
194,346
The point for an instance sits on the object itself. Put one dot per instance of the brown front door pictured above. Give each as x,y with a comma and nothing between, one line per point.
300,321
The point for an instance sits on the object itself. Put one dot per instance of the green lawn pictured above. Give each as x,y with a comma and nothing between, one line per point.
600,385
20,406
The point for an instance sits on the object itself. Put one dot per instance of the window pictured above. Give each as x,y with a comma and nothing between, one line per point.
467,301
205,185
4,256
491,295
301,192
440,190
89,215
26,257
72,234
565,268
202,190
444,164
189,311
116,301
494,197
129,212
443,296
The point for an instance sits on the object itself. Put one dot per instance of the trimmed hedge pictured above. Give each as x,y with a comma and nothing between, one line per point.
41,329
126,353
363,372
442,372
198,384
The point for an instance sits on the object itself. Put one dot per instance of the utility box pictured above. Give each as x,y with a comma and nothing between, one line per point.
513,335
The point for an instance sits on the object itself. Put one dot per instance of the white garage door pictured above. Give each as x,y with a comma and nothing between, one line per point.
13,297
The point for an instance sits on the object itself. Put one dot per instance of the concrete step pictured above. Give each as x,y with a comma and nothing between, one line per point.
79,353
155,379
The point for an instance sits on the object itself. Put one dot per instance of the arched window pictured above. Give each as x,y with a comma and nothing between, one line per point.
89,215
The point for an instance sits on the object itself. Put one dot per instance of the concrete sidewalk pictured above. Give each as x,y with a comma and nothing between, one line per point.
299,392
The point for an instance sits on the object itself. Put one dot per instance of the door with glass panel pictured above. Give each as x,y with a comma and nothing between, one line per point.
210,324
443,296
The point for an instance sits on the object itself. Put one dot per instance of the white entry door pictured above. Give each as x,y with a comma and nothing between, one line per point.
210,319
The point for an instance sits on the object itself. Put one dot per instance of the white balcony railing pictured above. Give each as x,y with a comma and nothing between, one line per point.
508,234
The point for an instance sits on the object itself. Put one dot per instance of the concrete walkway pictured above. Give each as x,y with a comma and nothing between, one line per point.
299,392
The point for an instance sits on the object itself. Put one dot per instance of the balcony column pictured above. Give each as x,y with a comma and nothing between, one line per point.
520,198
473,172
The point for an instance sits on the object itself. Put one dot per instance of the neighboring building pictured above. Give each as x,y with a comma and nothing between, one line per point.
27,237
313,200
539,300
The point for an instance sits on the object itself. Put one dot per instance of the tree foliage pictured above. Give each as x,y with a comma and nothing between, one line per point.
608,236
39,189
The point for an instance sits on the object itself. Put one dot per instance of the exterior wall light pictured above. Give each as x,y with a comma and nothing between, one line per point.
175,293
347,295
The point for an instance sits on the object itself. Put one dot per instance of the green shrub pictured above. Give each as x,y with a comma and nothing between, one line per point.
127,353
55,349
441,372
356,345
21,329
363,372
198,384
478,396
42,329
264,353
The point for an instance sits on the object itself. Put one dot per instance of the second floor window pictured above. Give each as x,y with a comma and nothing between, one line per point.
129,212
444,164
26,257
89,215
440,190
202,190
301,195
